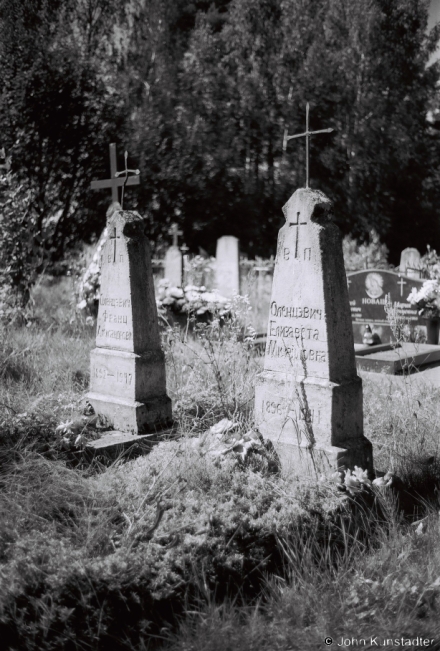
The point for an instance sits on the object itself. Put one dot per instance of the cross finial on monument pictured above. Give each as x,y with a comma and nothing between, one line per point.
175,232
114,182
126,172
307,135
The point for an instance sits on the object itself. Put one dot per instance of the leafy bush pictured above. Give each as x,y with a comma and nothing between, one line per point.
20,253
371,254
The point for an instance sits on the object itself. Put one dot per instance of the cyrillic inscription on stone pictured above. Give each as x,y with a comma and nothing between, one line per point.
296,338
127,382
308,399
115,322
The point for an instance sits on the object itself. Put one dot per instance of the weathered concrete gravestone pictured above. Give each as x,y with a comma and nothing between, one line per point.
127,383
227,266
308,399
173,259
410,262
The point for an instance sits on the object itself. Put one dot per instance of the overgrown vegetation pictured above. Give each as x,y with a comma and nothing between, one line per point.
189,549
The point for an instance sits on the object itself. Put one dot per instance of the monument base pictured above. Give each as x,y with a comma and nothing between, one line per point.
305,461
127,415
315,425
130,389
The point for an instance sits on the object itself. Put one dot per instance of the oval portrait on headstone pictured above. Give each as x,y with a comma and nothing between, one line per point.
374,285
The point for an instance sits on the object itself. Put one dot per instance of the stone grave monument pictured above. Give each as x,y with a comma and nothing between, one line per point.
308,398
127,378
227,266
368,293
173,259
410,263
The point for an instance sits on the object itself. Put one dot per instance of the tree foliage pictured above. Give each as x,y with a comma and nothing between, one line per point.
201,93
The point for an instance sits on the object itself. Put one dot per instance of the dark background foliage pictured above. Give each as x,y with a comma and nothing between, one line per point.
200,94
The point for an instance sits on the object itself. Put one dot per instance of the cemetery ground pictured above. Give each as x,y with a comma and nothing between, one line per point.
184,549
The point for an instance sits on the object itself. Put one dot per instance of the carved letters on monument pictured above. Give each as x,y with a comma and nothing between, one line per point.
128,383
308,399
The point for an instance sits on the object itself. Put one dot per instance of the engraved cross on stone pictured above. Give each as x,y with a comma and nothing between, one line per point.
297,223
114,237
114,182
175,232
307,135
401,282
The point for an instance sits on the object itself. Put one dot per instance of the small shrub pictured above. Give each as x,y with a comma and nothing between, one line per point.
371,254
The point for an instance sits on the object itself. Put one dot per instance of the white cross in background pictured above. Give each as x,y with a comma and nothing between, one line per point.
175,232
401,282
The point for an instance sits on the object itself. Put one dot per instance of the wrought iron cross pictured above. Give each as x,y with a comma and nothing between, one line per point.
114,182
307,135
126,172
175,232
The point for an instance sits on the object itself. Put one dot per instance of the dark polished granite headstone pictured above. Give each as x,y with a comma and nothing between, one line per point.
367,291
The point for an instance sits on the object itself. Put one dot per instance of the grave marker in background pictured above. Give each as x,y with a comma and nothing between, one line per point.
227,266
127,378
308,399
173,259
367,291
410,263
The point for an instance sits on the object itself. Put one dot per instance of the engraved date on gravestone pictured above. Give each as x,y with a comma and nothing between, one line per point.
121,377
283,409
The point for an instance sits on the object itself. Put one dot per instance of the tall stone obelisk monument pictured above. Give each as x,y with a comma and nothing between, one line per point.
308,398
127,383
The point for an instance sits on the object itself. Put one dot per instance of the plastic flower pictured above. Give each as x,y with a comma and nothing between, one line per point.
427,297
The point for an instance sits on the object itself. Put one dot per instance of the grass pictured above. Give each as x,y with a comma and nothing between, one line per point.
185,551
384,593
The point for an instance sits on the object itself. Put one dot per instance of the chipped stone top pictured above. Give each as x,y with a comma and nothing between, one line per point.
127,317
306,201
310,332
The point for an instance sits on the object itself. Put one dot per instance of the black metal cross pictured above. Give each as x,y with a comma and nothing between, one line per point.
307,135
126,172
114,182
175,232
